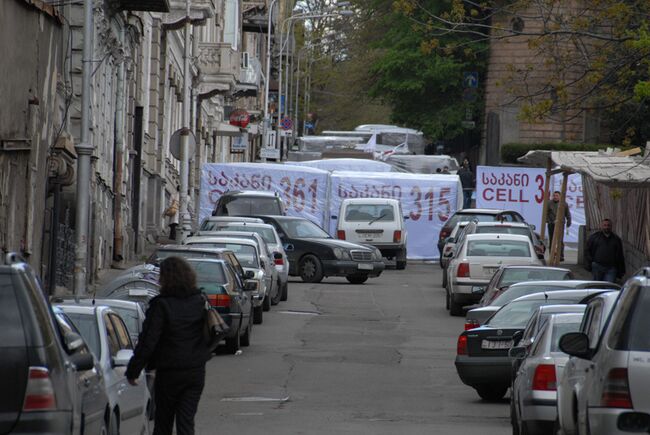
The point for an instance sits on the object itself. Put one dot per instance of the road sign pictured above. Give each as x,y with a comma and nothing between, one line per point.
286,133
175,144
269,153
286,123
470,79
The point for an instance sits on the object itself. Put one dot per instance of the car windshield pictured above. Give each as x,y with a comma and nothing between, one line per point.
369,212
210,275
302,229
515,275
257,205
497,248
246,254
517,313
514,292
559,329
503,229
87,326
267,234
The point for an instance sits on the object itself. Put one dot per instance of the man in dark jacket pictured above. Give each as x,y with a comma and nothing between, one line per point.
467,181
172,342
551,215
605,251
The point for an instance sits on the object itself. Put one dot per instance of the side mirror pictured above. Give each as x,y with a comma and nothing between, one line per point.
288,247
277,256
533,227
122,358
517,352
250,286
249,274
516,337
334,217
575,344
83,361
73,342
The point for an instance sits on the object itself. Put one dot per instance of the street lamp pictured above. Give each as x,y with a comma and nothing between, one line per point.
267,80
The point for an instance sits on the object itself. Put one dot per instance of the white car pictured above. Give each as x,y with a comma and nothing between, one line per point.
614,398
449,249
271,238
374,221
478,257
534,388
108,339
571,383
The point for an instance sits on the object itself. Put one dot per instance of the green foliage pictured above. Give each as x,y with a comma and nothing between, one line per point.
510,152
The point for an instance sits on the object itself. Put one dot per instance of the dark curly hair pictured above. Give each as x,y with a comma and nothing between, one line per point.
177,278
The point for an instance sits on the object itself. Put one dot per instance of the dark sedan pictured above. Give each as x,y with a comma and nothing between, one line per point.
482,360
313,254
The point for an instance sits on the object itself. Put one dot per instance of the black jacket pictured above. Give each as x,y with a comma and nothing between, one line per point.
172,336
466,177
606,251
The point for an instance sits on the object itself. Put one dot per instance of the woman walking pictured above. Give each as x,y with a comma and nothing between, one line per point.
172,343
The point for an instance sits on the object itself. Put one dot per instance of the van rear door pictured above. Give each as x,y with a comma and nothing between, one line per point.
373,223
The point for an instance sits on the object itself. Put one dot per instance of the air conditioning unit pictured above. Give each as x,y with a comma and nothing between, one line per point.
245,58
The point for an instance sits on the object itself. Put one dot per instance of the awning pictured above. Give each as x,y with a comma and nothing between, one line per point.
224,129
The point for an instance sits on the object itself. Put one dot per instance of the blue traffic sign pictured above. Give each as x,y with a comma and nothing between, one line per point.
470,79
286,123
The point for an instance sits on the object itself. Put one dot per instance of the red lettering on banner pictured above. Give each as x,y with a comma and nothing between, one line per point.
485,194
501,195
580,201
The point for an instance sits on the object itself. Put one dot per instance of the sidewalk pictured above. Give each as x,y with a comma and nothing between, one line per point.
571,260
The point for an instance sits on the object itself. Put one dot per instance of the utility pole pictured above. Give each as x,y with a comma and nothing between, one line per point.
185,218
267,80
84,152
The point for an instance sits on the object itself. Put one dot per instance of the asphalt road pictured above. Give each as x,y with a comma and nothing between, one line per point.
337,358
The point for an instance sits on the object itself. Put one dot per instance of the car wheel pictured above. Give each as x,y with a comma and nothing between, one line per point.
311,269
357,278
246,338
455,309
278,293
490,392
233,343
258,315
400,260
266,303
113,425
285,292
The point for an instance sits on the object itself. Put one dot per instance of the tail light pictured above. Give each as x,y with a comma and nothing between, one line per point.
340,234
463,270
461,345
278,261
219,300
616,390
471,324
444,234
39,394
544,379
397,236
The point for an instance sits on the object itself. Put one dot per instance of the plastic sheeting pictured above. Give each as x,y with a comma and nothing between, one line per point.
428,201
302,189
423,164
360,165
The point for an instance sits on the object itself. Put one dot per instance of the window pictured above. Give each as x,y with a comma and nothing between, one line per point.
130,318
511,276
298,228
87,327
267,234
497,248
238,206
593,329
559,329
369,212
11,323
122,334
246,254
522,290
631,331
111,335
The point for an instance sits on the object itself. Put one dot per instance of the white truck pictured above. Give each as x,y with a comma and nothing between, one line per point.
374,221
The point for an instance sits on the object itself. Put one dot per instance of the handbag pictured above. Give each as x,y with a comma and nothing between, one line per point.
215,328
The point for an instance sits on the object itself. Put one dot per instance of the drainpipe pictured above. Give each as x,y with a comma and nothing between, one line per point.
84,152
185,219
118,238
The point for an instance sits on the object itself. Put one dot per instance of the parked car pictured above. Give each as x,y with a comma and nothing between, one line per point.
614,399
477,316
374,221
482,359
248,253
572,382
520,228
534,391
108,339
313,254
138,284
197,251
49,383
479,257
229,296
249,202
449,248
478,214
272,240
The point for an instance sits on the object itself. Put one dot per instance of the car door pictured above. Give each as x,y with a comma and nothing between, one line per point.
115,384
132,399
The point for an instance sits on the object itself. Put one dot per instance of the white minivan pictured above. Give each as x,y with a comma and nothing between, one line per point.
374,221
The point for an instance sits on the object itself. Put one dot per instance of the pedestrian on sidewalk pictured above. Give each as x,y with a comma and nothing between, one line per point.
172,343
605,251
551,215
467,180
172,213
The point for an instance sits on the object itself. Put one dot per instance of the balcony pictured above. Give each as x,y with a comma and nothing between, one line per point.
219,68
254,17
250,77
200,10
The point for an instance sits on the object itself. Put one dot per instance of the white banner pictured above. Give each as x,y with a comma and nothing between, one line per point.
303,190
428,200
522,189
360,165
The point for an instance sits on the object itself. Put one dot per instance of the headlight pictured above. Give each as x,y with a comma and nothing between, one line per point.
341,254
376,254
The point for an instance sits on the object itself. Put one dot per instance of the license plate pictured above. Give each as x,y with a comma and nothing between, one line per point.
490,270
368,235
477,289
363,266
502,344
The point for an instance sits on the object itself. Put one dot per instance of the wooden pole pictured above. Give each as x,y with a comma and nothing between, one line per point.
558,233
547,187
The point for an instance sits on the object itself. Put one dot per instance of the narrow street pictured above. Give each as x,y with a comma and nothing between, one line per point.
337,358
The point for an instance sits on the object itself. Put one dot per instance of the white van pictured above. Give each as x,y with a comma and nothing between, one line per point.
374,221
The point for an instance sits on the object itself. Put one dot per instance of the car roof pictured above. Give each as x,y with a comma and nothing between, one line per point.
502,224
90,310
532,266
250,193
233,219
492,211
215,239
97,302
562,308
204,260
260,224
283,218
514,237
560,294
569,283
188,248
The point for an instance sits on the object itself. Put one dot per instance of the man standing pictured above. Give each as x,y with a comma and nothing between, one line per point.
551,215
467,181
605,251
